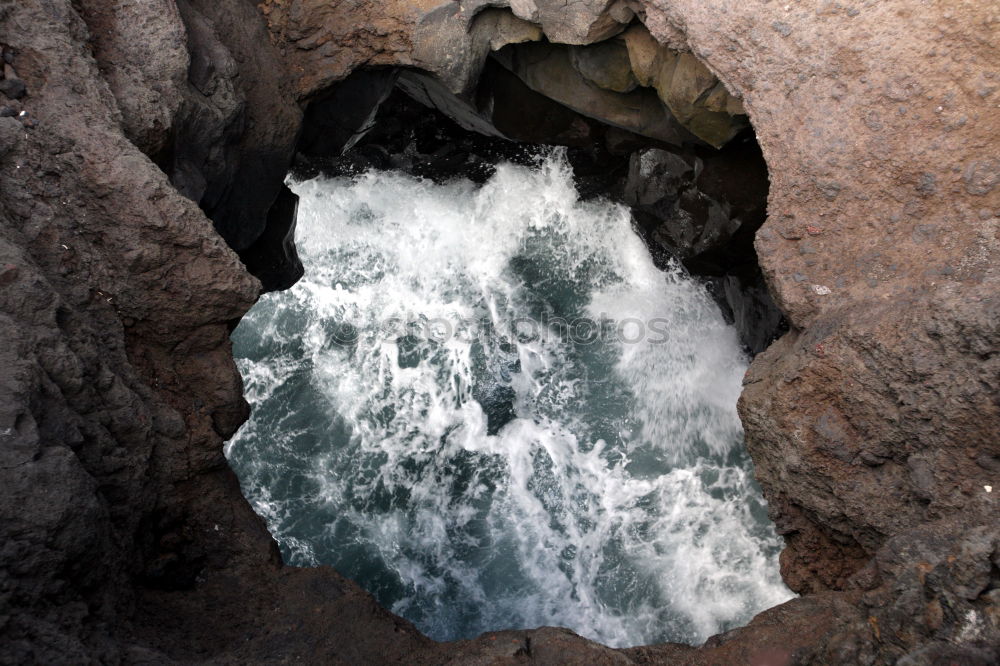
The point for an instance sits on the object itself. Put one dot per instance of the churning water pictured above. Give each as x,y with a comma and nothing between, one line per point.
487,406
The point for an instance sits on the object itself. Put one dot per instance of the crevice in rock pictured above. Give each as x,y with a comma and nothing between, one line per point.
272,258
693,203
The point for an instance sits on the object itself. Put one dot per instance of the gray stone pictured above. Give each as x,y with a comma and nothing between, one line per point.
580,22
662,189
606,65
13,88
548,69
685,85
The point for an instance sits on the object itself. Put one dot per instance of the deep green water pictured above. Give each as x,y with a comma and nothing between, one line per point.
489,408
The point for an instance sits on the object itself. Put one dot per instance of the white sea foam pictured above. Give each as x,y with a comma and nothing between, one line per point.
608,494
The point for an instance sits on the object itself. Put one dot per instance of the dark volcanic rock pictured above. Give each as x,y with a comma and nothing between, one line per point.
694,202
746,301
339,118
12,87
872,423
409,136
521,114
434,94
703,207
236,131
424,141
273,258
114,314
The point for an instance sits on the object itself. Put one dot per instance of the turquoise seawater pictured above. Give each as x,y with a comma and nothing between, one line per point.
489,408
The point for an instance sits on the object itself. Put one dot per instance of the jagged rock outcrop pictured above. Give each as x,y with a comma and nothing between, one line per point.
117,380
662,188
634,83
550,70
704,207
656,90
126,127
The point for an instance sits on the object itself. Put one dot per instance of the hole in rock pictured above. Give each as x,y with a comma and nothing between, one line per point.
504,393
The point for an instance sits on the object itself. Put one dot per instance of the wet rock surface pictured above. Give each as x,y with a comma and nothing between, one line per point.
703,207
146,133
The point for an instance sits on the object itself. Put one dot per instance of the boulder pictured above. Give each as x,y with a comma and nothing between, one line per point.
663,190
693,94
602,81
697,99
548,69
606,65
581,22
645,54
453,47
344,114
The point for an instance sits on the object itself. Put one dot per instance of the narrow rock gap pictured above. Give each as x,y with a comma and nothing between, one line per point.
693,204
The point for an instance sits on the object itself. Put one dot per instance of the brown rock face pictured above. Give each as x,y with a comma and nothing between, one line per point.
873,424
879,246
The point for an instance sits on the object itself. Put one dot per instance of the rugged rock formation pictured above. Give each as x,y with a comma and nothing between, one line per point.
126,126
630,81
704,207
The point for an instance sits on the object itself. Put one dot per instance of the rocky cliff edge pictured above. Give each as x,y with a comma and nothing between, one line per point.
143,144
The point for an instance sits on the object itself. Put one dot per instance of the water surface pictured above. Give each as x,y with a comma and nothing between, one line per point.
487,406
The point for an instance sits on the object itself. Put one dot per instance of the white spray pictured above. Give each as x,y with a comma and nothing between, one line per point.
428,419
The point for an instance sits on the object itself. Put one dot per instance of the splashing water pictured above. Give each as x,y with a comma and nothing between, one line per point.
489,408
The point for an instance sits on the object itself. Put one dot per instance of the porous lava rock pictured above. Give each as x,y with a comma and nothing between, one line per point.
152,138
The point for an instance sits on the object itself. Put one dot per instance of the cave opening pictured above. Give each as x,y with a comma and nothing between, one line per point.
448,407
